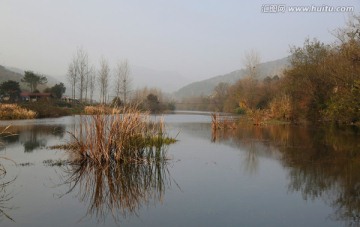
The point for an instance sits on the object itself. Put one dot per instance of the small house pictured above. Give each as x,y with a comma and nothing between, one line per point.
33,97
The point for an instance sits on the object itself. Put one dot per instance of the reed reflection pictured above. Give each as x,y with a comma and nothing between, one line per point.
5,195
322,163
116,189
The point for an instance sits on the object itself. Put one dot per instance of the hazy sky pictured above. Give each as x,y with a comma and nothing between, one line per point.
195,38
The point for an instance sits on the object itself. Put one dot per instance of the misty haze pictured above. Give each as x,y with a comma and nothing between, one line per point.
179,113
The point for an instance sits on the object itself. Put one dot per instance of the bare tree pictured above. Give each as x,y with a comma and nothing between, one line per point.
103,79
83,71
251,61
220,94
91,82
72,76
78,73
122,80
351,31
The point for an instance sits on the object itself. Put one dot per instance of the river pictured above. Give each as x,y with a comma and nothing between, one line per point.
251,176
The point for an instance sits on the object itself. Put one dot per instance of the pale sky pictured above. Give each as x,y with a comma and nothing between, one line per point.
197,39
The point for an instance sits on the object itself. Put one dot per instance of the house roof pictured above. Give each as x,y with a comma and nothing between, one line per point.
30,94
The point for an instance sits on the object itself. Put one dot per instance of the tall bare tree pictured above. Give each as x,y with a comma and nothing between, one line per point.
103,79
72,76
91,82
83,71
78,73
122,80
251,61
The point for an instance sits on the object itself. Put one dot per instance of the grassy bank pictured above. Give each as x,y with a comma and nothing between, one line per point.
50,109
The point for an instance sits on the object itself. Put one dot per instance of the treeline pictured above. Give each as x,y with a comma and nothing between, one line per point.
113,85
322,84
10,90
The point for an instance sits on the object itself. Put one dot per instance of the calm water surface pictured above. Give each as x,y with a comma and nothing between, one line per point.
253,176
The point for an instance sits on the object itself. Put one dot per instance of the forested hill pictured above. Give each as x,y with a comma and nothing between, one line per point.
206,87
6,74
17,74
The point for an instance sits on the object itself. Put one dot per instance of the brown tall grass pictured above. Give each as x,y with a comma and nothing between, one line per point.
94,110
14,112
126,137
222,122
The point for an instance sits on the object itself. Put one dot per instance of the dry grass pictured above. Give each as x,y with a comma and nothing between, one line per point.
14,112
126,137
95,110
222,122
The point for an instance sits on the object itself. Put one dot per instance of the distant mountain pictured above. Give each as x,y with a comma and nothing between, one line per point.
15,74
6,74
206,87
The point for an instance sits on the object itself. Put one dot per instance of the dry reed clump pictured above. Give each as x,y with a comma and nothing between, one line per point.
222,122
94,110
126,137
14,112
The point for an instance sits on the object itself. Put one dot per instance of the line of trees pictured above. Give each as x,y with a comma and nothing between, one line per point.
11,89
84,77
322,83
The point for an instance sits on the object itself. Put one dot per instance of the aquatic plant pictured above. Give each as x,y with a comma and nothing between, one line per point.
222,122
126,137
13,112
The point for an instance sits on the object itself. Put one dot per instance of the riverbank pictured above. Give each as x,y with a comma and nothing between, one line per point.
40,109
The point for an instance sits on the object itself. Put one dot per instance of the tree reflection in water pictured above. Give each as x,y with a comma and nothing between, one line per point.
117,189
322,163
31,136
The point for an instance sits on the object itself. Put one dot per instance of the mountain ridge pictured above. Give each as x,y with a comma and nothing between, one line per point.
206,87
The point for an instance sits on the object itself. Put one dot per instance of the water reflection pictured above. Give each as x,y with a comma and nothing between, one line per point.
118,190
31,137
322,163
5,195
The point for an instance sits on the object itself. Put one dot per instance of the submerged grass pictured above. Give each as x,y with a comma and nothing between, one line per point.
127,137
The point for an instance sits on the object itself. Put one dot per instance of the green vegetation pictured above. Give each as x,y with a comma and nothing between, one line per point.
152,100
52,108
33,80
57,90
10,89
